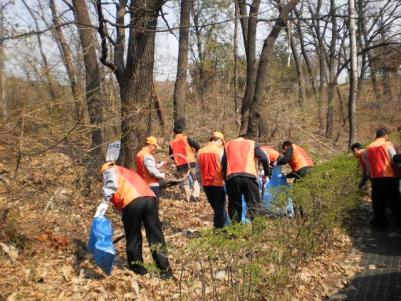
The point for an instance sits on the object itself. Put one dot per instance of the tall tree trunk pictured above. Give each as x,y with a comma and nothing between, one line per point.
251,67
236,9
298,66
332,72
137,80
354,75
367,44
67,58
304,53
180,87
92,73
3,103
263,69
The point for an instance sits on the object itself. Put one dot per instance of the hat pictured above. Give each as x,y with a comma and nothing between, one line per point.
218,135
152,141
106,166
179,125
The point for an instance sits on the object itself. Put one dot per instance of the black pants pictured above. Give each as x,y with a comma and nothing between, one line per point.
386,191
156,191
301,173
143,210
238,186
217,197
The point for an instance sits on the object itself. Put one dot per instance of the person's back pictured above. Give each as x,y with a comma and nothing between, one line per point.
300,159
380,153
209,158
240,154
271,153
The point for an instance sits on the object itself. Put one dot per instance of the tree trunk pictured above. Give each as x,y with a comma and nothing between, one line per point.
92,71
354,75
367,43
3,103
67,58
237,124
137,81
263,69
251,68
298,66
304,53
180,87
332,72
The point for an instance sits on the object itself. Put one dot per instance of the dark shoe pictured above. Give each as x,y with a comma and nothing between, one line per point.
167,274
138,269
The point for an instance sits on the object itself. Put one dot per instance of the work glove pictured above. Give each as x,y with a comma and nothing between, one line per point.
264,180
101,209
161,164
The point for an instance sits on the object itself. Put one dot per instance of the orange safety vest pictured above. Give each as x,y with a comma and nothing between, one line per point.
130,187
240,154
271,153
300,158
209,158
362,160
141,168
379,159
181,146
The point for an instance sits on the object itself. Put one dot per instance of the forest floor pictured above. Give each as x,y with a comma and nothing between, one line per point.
46,218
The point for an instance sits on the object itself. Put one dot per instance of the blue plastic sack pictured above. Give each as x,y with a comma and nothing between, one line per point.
101,243
277,182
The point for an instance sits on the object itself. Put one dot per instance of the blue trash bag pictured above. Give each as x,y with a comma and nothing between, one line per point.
101,243
244,217
277,181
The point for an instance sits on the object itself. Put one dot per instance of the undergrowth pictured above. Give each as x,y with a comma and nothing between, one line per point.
259,261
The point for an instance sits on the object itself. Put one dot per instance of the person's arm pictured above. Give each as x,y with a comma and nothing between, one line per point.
192,143
110,184
391,151
224,164
286,158
363,181
261,155
150,165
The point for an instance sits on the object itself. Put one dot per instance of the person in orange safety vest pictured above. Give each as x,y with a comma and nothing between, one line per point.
272,154
240,170
385,185
359,152
130,194
209,161
300,162
183,151
147,167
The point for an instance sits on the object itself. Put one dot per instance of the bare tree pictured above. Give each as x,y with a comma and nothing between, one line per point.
249,35
182,65
354,74
67,57
92,73
135,74
45,62
3,104
332,71
263,67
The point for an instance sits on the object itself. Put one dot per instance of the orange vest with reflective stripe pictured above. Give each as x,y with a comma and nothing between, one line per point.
130,187
300,158
240,155
379,159
271,153
141,168
181,146
209,158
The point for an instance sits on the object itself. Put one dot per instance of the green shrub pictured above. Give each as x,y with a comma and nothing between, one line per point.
260,260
